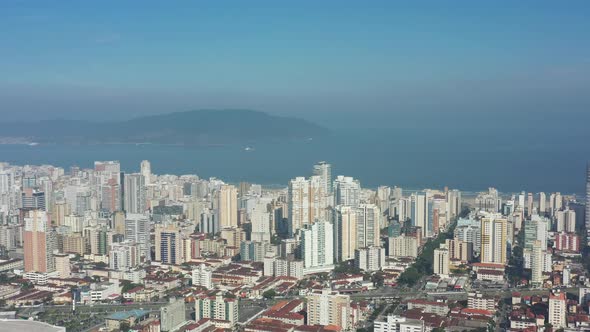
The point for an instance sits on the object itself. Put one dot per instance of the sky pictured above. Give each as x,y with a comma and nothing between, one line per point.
315,59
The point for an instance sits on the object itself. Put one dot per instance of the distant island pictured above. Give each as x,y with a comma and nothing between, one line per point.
200,127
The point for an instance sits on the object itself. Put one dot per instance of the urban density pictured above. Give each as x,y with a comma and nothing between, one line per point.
100,249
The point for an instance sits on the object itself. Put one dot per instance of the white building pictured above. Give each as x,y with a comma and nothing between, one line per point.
441,261
557,310
369,259
317,247
399,324
202,276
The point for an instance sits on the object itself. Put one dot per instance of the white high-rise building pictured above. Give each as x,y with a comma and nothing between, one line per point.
557,310
369,259
124,256
324,171
202,275
441,261
307,202
135,194
260,221
227,203
328,308
403,246
537,260
542,203
137,229
317,247
420,213
494,234
368,226
146,171
345,232
298,200
347,191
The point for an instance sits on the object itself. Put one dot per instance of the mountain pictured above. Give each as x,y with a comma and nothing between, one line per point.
203,127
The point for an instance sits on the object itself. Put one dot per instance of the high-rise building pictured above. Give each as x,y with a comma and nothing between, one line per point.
369,259
537,259
324,171
202,275
214,305
62,265
568,242
168,245
347,191
403,246
454,202
494,233
123,256
441,261
227,203
307,202
345,233
298,200
39,243
134,192
368,225
317,247
459,250
557,310
172,315
146,171
137,229
32,199
420,213
542,203
328,308
260,222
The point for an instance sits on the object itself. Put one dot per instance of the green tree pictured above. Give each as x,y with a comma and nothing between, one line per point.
269,294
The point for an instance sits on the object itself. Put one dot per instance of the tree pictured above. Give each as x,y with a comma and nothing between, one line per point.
269,294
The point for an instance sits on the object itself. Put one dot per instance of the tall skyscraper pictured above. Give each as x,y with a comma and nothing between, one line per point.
420,213
542,203
317,246
347,191
298,202
441,261
345,232
368,226
146,171
260,221
39,243
227,198
494,233
557,310
135,194
137,229
324,171
537,260
328,308
168,245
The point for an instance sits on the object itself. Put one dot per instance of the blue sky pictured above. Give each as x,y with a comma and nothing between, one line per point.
95,59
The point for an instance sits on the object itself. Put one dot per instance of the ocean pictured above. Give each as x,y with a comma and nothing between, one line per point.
469,159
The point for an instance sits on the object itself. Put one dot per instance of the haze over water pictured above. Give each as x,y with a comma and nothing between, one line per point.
468,151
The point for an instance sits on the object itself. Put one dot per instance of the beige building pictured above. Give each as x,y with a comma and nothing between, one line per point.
441,261
168,244
227,203
494,233
557,310
329,308
345,231
403,246
460,250
62,265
